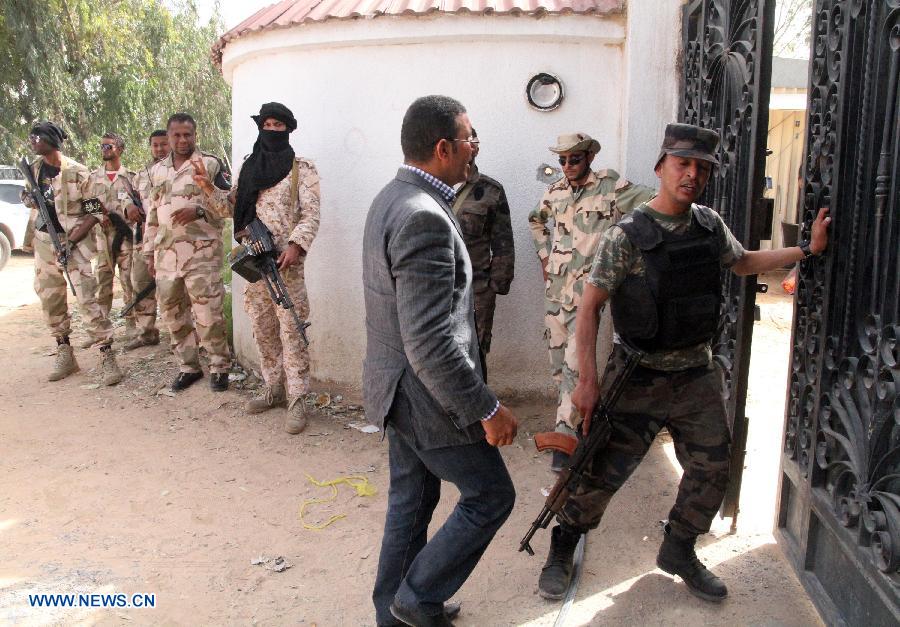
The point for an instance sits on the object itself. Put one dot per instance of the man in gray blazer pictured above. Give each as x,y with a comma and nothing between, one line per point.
422,374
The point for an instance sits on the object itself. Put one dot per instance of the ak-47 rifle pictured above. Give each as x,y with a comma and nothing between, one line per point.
259,260
144,293
580,450
62,252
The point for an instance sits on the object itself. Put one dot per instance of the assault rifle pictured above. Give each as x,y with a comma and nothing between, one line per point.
62,252
581,450
144,293
259,260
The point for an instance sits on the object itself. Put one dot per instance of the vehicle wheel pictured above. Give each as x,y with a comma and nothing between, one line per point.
5,250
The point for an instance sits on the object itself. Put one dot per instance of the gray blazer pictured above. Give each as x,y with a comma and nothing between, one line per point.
420,319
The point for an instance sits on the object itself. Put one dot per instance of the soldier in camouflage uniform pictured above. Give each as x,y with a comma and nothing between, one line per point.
64,185
112,184
183,247
144,311
282,191
581,205
483,215
660,268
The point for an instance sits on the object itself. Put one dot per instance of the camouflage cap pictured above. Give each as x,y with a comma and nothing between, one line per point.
575,142
687,140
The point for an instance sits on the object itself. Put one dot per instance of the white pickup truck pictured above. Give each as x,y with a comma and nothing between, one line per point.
13,214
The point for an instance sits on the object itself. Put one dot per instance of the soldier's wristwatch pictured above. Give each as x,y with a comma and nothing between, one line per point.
804,247
201,212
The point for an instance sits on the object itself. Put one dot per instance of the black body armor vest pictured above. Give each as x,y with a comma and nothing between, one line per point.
676,303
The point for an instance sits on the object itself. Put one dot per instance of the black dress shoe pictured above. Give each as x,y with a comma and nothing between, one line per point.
185,380
218,381
451,611
417,618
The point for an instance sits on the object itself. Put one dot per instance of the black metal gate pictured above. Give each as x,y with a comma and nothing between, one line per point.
727,67
839,509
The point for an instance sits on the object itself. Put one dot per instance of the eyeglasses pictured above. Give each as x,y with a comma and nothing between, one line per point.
34,138
107,146
472,141
572,159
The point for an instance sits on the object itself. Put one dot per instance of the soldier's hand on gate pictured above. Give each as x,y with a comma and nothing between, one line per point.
501,429
290,256
201,176
584,398
818,239
184,216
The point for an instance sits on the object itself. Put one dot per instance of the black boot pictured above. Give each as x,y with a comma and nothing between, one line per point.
557,571
677,557
185,380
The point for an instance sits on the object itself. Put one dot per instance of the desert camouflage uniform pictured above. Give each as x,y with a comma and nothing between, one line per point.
483,214
580,218
188,261
677,389
70,187
284,358
144,311
115,197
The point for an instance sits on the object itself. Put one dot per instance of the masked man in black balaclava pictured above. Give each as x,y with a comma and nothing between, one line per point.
282,190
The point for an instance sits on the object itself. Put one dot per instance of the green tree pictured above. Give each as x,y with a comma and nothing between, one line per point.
119,65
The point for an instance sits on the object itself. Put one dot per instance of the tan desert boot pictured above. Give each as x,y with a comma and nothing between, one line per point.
65,363
111,372
271,397
296,416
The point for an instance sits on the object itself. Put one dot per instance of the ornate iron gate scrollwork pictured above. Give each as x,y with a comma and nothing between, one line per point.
839,509
726,79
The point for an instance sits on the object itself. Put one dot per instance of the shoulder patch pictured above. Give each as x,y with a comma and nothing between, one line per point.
487,180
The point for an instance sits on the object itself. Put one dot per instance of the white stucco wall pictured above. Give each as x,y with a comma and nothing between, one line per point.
349,84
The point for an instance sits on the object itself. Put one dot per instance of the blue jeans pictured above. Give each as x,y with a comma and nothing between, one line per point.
417,573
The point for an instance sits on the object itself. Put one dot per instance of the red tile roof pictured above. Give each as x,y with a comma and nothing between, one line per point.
288,13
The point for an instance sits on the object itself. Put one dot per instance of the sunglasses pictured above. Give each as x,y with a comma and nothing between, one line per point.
107,146
572,159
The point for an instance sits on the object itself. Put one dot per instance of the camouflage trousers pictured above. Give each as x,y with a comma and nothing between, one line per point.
189,281
485,303
144,311
559,332
52,288
284,358
689,404
106,267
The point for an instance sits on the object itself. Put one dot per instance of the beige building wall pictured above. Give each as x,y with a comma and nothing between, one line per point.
787,132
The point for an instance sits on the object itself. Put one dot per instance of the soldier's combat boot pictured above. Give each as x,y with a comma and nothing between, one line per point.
271,397
677,557
65,363
142,340
296,416
86,343
557,571
111,372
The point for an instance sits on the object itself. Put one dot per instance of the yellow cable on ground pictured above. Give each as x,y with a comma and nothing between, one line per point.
357,482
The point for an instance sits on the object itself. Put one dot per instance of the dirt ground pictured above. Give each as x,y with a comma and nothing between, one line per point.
109,490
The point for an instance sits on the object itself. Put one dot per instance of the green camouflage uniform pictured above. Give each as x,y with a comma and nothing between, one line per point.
677,389
188,262
483,214
70,187
284,358
580,217
115,197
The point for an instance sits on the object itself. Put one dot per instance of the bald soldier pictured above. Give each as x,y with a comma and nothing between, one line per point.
112,184
483,214
183,248
566,227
